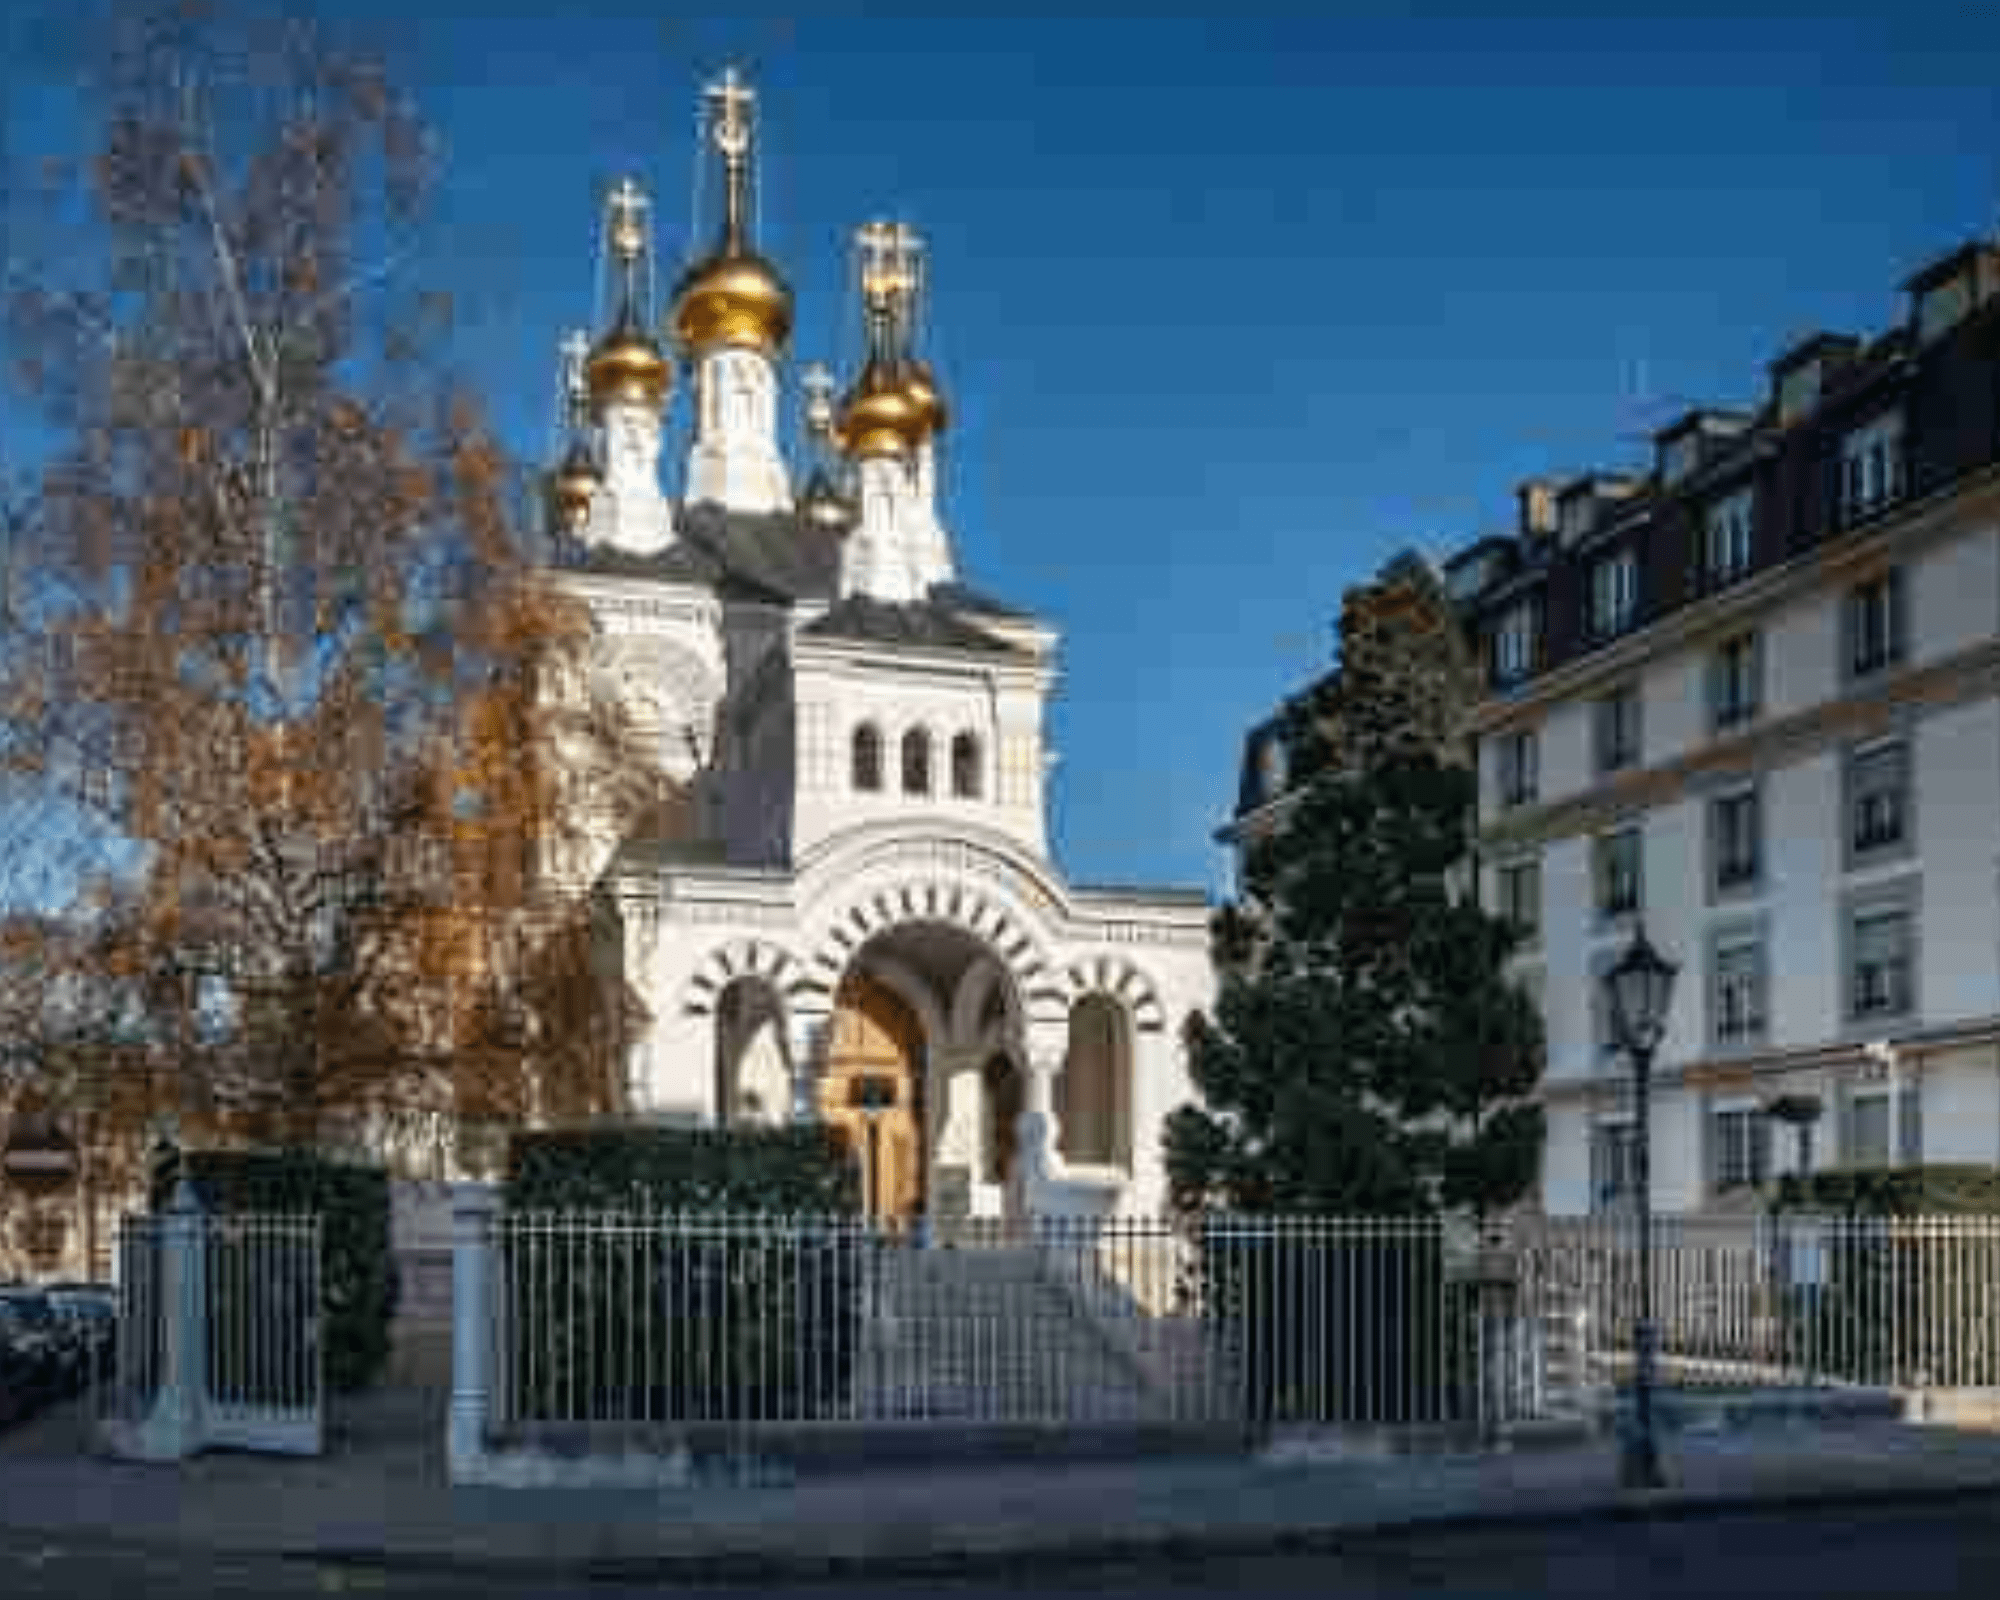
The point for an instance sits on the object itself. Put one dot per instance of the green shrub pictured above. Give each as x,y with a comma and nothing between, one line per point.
618,1317
1335,1327
358,1283
1889,1300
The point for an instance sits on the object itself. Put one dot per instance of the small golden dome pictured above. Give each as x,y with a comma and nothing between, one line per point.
571,486
920,384
627,366
879,416
824,506
733,298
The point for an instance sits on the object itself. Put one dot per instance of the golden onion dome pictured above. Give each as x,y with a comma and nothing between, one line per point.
824,506
733,298
572,485
878,416
920,384
627,367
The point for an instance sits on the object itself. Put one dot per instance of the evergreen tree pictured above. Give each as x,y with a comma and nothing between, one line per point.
1367,1053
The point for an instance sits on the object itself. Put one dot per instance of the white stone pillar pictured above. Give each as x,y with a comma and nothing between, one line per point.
472,1332
1038,1133
172,1429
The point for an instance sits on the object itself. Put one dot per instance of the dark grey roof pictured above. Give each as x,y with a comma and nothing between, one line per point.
776,551
924,623
957,597
678,563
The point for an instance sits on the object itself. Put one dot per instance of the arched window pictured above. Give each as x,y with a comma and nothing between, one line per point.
867,757
965,766
1093,1092
916,762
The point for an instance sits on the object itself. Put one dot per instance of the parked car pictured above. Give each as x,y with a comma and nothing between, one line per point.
52,1349
90,1310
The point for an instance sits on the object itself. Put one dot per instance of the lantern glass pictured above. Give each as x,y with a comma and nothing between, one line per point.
1640,989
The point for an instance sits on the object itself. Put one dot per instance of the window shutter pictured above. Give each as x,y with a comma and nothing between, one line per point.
1899,634
1843,1126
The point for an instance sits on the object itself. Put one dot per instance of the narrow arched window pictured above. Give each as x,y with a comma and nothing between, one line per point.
867,757
965,766
916,762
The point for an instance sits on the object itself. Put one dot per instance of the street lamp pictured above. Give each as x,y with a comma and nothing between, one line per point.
1638,990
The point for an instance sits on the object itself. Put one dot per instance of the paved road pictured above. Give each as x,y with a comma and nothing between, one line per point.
1911,1553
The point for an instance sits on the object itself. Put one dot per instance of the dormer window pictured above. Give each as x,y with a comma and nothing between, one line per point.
1516,642
1798,392
1578,514
1727,532
1871,466
1679,456
1611,599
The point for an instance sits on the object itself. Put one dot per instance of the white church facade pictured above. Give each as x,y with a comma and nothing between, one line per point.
866,926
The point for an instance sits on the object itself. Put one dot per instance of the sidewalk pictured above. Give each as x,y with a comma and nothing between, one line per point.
379,1498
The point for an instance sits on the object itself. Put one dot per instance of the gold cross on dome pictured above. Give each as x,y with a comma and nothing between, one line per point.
732,99
628,204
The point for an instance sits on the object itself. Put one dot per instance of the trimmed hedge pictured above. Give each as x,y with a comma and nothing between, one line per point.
358,1282
1886,1304
1934,1191
793,1170
627,1319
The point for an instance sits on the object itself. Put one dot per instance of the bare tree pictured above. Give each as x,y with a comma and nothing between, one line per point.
278,647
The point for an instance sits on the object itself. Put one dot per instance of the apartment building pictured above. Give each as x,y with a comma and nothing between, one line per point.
1752,697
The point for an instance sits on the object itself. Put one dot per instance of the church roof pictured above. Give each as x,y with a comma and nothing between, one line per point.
928,624
961,598
778,551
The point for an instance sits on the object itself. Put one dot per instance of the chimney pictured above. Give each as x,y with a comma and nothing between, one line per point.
1537,500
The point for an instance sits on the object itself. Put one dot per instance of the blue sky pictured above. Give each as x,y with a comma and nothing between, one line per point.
1230,309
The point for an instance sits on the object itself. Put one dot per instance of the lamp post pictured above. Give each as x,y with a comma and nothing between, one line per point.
1639,989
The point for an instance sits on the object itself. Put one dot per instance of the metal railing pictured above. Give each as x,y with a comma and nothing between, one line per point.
1755,1302
749,1322
218,1338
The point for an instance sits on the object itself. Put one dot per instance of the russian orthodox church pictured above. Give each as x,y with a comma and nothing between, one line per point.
862,922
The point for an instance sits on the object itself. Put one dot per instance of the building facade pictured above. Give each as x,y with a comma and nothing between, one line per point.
862,923
1752,698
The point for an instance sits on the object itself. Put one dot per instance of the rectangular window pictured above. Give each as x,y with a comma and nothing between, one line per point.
1871,467
1736,840
1881,950
1518,763
1727,538
1875,624
1613,597
1520,895
1516,643
1868,1129
1878,799
1742,1137
1618,866
1617,716
1739,990
1736,671
1614,1165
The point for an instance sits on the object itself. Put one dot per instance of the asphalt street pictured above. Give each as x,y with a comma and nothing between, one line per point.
1907,1553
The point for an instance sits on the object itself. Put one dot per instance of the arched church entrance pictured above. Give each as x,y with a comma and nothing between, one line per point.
921,1071
873,1092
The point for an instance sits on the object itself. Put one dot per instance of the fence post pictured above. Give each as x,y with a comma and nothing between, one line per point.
171,1428
471,1331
